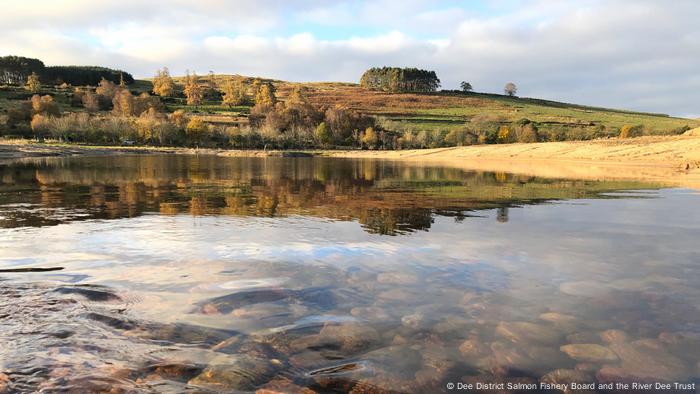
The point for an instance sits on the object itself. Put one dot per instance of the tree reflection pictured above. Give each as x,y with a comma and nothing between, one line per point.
384,197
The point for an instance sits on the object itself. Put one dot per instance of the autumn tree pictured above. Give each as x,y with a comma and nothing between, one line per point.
33,83
123,103
196,129
265,96
466,86
234,93
510,89
163,84
91,102
44,105
107,89
193,91
370,138
298,96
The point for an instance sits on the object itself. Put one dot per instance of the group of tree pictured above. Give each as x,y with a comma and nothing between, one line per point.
16,69
395,79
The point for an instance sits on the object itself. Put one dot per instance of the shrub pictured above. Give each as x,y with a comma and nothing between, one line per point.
44,105
505,135
628,131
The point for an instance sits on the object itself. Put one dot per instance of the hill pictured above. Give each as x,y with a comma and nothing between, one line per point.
449,110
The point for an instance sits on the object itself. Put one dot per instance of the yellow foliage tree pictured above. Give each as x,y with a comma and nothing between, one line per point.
297,97
33,83
234,93
123,103
163,84
265,96
193,91
370,137
196,129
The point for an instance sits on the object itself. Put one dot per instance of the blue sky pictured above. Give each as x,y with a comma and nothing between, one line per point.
634,54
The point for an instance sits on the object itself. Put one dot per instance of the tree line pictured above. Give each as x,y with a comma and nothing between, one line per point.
395,79
15,70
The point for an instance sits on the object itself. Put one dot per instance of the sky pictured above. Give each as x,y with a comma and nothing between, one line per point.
632,54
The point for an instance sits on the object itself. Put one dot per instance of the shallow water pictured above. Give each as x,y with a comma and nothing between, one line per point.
208,274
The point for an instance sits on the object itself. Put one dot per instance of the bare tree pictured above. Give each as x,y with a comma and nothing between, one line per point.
510,89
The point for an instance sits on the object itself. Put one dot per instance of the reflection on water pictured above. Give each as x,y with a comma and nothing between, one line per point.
205,274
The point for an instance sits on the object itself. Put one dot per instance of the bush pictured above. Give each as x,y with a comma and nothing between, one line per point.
628,131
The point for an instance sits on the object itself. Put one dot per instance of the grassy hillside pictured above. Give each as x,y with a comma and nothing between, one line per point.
403,113
451,110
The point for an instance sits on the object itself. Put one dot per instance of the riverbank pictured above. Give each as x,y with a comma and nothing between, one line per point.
674,160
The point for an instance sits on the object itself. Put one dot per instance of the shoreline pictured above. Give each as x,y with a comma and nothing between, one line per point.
671,160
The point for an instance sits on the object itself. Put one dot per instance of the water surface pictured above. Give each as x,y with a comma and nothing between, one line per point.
205,274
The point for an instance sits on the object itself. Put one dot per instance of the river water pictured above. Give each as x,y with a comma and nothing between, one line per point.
170,273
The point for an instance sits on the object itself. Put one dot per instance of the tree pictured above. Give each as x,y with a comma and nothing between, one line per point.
323,135
466,86
510,89
33,83
44,105
395,79
370,138
265,96
193,91
163,84
123,103
16,69
106,89
297,97
91,102
234,93
196,129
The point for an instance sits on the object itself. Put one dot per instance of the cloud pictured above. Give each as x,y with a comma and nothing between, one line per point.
627,54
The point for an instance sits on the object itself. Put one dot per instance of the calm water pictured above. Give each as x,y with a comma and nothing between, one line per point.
205,274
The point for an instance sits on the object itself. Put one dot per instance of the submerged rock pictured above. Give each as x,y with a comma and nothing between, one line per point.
588,289
649,359
473,349
371,313
283,386
568,376
346,338
525,332
589,352
246,373
614,336
567,322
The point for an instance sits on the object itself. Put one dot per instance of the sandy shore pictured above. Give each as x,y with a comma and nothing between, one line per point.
672,160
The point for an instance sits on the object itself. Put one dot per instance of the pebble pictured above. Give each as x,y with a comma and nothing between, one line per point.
589,352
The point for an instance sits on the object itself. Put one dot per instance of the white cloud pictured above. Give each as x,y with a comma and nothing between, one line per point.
629,54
